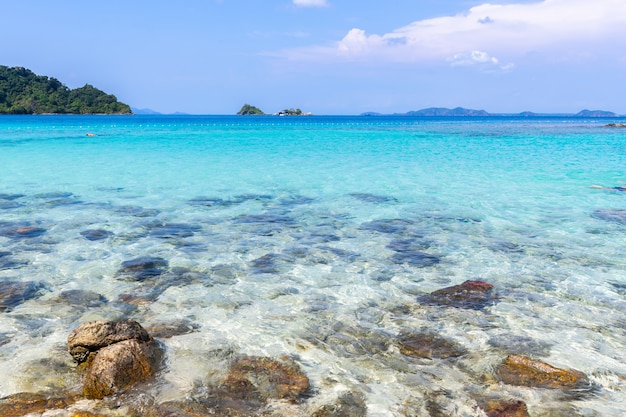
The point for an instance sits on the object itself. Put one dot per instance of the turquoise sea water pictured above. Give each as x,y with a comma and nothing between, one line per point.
288,236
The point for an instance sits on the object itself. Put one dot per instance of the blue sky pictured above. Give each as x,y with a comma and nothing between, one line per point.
329,56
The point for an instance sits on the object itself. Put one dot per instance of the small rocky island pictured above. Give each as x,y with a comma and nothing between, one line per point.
24,92
249,110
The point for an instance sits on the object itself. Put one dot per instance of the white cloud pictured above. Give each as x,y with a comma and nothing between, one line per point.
310,3
476,36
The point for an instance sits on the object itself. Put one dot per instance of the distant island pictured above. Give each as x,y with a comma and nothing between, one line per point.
462,112
24,92
248,110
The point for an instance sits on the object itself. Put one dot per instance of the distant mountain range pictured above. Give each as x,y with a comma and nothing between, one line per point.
462,112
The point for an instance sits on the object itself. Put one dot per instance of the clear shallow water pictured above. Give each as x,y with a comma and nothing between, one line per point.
271,228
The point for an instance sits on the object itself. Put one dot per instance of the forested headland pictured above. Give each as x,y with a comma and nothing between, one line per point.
24,92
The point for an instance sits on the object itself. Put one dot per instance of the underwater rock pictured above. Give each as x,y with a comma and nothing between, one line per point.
54,195
610,215
503,408
82,298
270,263
22,231
524,371
520,345
429,346
415,258
117,367
96,234
387,225
143,268
7,205
173,230
270,377
91,336
164,330
25,403
266,219
10,197
136,211
347,405
372,198
13,293
470,294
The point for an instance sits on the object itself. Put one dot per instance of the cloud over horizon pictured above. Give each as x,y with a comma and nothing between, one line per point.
482,33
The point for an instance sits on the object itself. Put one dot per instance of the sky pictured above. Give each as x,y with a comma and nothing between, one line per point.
328,56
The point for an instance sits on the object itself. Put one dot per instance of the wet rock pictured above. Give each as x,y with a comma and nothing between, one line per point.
13,293
4,339
524,371
520,345
266,219
136,211
10,197
347,405
7,205
91,336
54,195
387,225
143,268
470,294
166,330
96,234
372,198
7,263
82,298
269,377
119,366
25,403
21,231
270,263
610,215
503,408
429,346
173,230
415,258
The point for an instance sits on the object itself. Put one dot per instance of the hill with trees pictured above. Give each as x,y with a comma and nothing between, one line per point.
24,92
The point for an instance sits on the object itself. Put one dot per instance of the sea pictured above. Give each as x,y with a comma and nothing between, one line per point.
315,239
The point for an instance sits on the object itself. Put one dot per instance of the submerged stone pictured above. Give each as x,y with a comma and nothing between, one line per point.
267,218
503,408
610,215
173,230
22,232
26,403
372,198
136,211
470,294
143,268
387,225
10,197
82,298
13,293
269,377
96,234
164,330
54,195
348,404
269,263
524,371
415,258
7,205
429,346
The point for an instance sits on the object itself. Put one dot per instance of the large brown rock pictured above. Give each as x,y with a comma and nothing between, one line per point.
92,336
117,367
269,377
524,371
